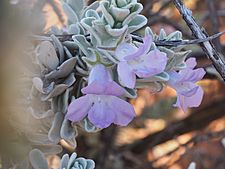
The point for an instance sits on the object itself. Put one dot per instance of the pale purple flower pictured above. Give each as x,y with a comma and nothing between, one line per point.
188,93
140,61
101,102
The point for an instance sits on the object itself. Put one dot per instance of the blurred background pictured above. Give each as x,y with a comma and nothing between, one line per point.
161,137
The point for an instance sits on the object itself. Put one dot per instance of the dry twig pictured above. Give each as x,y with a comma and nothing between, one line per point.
207,46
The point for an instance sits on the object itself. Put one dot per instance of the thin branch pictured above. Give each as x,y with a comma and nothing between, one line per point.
183,42
195,140
172,43
191,123
207,46
214,22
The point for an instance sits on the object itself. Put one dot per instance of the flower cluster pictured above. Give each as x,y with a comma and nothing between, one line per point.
101,103
87,79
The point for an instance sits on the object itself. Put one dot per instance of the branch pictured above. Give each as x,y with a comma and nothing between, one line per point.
182,42
195,121
195,140
172,43
214,22
207,46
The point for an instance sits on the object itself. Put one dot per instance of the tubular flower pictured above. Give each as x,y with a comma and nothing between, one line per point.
138,61
188,93
101,102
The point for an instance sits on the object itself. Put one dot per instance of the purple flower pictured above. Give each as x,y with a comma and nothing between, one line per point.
101,102
138,61
188,93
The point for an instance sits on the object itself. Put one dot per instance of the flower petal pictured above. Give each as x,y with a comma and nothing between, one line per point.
124,111
191,63
153,63
125,49
192,75
192,101
143,49
78,109
100,114
126,76
106,88
186,88
99,73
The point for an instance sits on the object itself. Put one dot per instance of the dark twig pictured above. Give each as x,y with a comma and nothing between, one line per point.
172,43
207,46
195,140
214,22
183,42
193,122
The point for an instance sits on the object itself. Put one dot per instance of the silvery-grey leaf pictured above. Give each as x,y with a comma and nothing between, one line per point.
87,24
64,100
70,13
60,88
50,149
80,163
58,45
162,77
81,71
115,32
180,66
93,6
162,34
47,56
88,126
67,130
181,56
54,132
171,57
39,85
119,13
64,161
104,5
109,56
148,31
37,159
68,54
63,70
74,29
121,3
72,160
136,10
130,4
92,13
130,93
90,60
90,164
71,45
177,35
138,22
77,6
154,87
83,44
